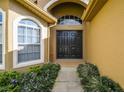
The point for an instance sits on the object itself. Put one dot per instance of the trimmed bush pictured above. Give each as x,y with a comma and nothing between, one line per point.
95,85
9,81
87,71
92,82
115,87
37,79
102,84
40,79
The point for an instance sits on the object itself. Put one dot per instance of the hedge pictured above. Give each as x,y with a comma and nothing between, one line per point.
92,81
37,79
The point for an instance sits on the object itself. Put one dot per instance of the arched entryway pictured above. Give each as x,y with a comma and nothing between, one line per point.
67,37
53,3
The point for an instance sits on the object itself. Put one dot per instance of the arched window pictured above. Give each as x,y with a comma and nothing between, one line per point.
29,40
69,20
2,20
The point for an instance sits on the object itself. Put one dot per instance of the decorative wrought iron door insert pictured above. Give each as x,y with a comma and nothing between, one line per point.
69,44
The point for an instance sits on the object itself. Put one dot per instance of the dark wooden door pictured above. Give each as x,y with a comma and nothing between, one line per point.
69,44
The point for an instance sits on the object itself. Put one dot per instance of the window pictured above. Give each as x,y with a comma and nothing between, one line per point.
29,43
0,38
2,14
69,20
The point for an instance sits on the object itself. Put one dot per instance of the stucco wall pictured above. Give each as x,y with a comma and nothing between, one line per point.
42,3
104,40
16,10
4,4
67,9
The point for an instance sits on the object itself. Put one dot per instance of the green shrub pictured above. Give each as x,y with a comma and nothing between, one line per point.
35,69
102,84
92,82
50,70
9,81
30,82
95,85
38,79
115,87
86,71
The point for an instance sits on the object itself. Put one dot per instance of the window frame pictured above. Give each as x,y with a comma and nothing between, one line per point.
16,64
62,20
32,27
2,66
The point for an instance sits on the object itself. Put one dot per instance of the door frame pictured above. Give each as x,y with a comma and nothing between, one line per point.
53,42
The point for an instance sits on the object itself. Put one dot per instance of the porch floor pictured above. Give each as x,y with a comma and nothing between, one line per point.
67,81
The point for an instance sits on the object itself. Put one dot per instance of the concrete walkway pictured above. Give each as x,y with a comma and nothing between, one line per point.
67,81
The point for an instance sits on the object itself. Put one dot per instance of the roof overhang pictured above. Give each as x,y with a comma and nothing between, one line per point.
38,11
92,9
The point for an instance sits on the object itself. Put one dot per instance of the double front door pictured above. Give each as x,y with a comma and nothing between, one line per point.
69,44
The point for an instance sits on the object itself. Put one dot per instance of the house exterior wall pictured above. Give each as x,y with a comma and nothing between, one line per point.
103,37
4,5
15,10
104,40
42,3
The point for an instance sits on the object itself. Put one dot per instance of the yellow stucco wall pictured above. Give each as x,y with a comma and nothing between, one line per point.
16,10
104,40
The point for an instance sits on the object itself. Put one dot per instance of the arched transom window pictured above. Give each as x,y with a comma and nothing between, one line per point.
28,40
69,20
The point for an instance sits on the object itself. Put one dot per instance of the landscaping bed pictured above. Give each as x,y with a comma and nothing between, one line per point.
37,79
92,81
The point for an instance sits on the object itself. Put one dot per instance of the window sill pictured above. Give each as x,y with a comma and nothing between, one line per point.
2,67
28,63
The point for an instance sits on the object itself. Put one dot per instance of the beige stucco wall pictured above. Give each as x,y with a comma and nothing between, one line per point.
104,40
42,3
16,10
47,5
67,9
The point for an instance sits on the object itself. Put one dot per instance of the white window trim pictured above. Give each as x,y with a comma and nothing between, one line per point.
15,44
2,66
